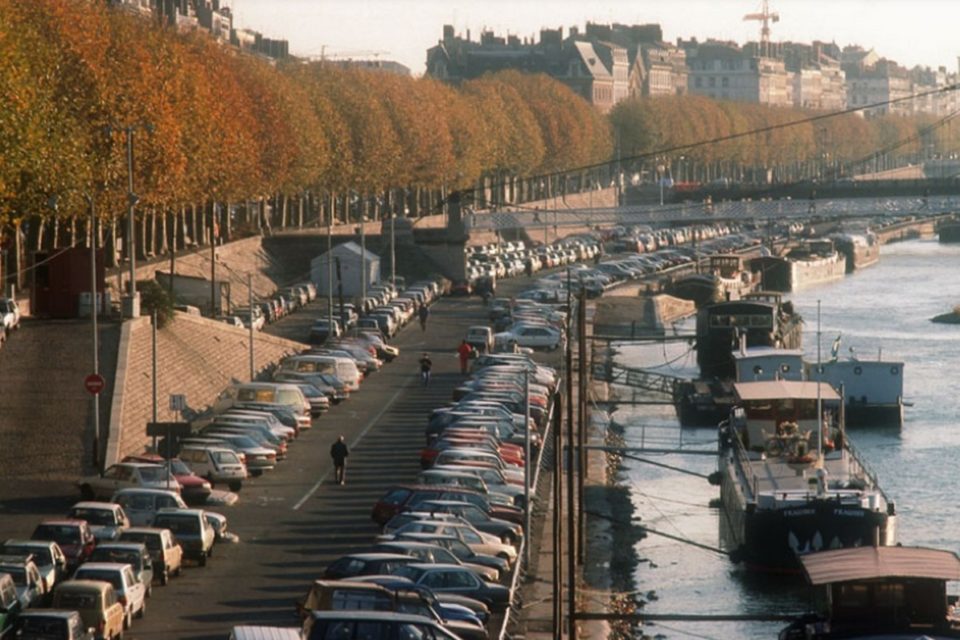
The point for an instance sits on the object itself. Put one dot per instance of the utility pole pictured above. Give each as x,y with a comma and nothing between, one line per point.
528,471
213,272
571,493
96,333
330,269
557,420
253,369
582,423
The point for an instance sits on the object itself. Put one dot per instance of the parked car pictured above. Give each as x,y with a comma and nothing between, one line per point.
30,588
359,564
217,464
9,314
141,505
50,624
480,337
106,519
73,536
131,592
47,554
443,578
10,606
191,529
334,625
123,475
256,632
165,552
134,554
193,488
96,602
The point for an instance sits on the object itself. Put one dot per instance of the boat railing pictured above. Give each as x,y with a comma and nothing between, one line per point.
743,465
859,467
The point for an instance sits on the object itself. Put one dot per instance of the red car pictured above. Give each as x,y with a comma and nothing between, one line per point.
74,537
193,488
509,453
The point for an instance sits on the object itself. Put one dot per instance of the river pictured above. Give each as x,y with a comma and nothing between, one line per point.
887,306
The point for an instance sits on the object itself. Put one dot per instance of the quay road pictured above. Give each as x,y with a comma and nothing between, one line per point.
292,522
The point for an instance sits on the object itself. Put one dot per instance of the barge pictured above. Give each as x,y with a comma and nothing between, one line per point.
859,250
810,263
725,278
791,482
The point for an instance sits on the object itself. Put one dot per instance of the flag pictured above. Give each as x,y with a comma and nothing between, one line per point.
835,349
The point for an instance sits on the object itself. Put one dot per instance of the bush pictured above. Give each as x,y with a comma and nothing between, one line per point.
154,297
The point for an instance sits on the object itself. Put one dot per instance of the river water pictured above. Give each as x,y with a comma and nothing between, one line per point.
885,307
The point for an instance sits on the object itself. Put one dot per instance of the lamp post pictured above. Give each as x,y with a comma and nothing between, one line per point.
93,321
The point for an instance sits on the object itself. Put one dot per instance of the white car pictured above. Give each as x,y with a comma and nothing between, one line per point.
10,314
106,519
131,592
126,474
536,336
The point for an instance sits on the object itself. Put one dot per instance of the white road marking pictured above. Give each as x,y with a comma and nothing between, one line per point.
356,441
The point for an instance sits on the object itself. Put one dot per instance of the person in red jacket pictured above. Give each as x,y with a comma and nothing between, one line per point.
465,351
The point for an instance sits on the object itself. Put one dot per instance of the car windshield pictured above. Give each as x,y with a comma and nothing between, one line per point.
131,558
94,516
310,391
41,555
180,468
152,541
76,601
406,571
61,534
178,525
226,457
113,577
154,474
41,627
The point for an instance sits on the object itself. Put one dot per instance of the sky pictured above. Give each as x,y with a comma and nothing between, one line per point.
911,32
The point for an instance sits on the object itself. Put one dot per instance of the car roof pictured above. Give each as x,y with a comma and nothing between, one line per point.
90,504
65,522
122,546
103,566
142,490
146,530
83,585
180,512
380,555
369,615
48,613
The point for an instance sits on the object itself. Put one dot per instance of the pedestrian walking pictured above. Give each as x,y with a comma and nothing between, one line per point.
465,351
423,314
425,365
339,453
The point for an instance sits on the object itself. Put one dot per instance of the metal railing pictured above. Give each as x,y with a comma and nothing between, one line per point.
519,570
734,210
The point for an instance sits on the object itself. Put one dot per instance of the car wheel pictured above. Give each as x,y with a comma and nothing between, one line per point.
210,552
179,571
235,486
87,493
143,609
202,559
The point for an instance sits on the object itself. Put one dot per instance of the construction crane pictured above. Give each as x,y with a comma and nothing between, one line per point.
765,17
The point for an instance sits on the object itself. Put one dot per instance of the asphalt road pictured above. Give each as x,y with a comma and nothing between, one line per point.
293,521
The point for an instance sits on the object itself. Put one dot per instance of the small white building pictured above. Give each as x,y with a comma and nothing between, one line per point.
351,257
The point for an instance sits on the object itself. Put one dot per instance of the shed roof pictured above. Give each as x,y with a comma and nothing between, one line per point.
784,389
865,563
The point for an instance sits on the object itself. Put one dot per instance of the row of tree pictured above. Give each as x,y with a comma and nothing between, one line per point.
705,134
209,124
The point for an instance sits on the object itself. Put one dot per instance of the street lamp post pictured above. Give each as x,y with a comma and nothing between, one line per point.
96,338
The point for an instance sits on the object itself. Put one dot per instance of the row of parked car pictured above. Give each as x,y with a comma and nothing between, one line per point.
510,259
387,308
89,574
267,310
450,538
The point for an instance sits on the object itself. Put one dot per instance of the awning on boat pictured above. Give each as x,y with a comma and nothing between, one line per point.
866,563
784,390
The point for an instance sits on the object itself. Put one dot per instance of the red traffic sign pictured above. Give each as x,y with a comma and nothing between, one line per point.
94,383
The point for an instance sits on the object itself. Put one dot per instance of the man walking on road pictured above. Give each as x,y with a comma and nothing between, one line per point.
464,351
339,453
423,314
425,365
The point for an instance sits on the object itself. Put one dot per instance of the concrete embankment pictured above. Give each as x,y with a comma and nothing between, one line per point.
196,357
